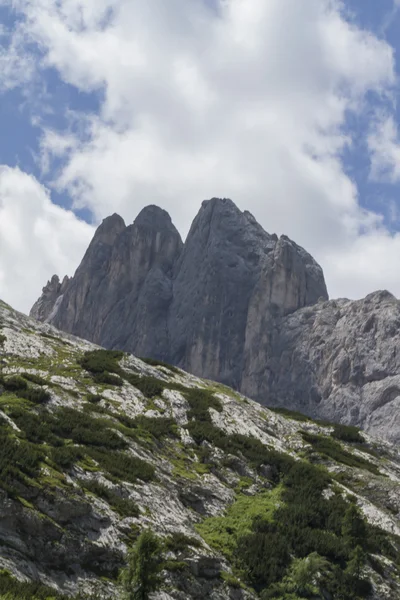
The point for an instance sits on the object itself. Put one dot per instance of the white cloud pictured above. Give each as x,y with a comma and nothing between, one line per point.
384,146
248,101
37,238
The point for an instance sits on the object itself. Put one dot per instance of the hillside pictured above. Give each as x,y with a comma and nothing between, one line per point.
97,446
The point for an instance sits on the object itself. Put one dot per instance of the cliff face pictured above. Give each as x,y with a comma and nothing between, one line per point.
204,305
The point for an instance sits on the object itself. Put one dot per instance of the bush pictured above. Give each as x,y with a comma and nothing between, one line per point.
122,467
11,589
153,362
102,361
3,339
94,398
290,414
17,459
35,395
125,507
347,433
82,428
200,401
330,448
15,383
34,378
149,386
108,379
179,542
66,456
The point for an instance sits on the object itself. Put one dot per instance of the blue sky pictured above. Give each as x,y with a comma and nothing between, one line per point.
199,100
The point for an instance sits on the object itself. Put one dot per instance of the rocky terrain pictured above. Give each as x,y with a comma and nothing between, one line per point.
236,305
97,446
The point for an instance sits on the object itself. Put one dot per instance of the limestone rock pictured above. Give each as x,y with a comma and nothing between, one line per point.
204,305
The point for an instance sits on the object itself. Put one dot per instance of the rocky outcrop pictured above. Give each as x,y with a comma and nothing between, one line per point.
204,305
337,360
46,307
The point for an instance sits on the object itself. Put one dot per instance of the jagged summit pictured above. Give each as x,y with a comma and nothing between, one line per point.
196,304
154,217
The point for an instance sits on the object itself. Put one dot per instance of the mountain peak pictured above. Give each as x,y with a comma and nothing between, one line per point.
154,217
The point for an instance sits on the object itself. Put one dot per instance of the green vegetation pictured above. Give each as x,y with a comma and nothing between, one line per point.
290,414
33,378
223,533
102,361
19,386
347,433
3,339
153,362
142,426
18,460
179,542
330,448
123,506
11,589
141,575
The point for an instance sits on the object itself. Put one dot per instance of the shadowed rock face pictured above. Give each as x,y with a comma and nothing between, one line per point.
203,305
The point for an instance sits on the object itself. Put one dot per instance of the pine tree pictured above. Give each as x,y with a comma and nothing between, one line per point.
141,575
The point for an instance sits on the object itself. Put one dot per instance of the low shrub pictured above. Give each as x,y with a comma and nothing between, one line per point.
347,433
179,542
12,589
94,398
122,467
291,414
149,386
330,448
108,379
153,362
33,378
15,383
35,395
125,507
102,361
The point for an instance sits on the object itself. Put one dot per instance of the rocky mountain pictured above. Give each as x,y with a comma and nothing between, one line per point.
247,503
236,305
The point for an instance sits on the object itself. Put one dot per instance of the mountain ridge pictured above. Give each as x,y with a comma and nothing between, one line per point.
240,306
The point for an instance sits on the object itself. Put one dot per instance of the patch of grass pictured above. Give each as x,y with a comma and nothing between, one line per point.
3,339
223,533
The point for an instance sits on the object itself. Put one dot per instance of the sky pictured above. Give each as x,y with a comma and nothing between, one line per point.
288,108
